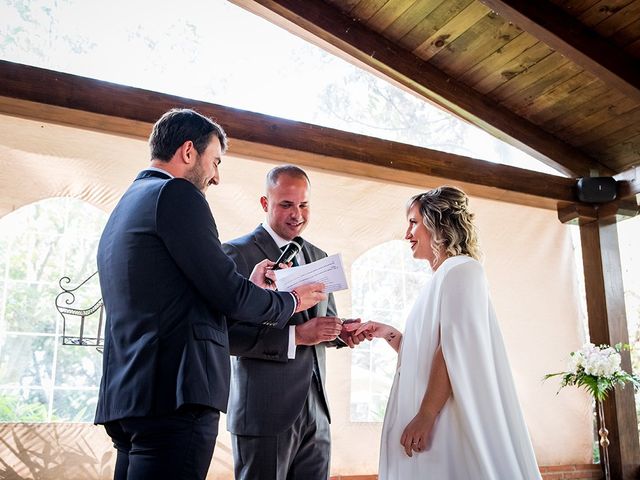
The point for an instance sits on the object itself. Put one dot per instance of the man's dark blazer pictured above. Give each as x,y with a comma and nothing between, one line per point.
167,286
268,390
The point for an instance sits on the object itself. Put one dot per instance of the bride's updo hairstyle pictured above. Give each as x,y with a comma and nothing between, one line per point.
445,213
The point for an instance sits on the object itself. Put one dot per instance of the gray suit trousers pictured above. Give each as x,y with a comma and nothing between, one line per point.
302,452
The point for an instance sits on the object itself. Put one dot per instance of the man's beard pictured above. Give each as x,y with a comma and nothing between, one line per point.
197,176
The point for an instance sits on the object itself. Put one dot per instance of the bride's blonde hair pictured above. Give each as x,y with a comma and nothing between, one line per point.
445,213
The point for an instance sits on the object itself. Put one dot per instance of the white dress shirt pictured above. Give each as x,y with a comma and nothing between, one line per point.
281,242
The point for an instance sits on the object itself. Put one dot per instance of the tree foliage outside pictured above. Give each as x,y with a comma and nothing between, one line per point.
40,379
244,62
366,104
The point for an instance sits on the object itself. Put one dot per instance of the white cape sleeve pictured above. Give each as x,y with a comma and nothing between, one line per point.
484,398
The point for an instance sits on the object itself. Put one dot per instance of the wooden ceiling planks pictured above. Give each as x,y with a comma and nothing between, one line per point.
329,25
411,18
545,74
388,13
618,21
573,39
624,154
486,36
561,98
438,14
508,71
495,63
602,11
598,112
540,91
469,42
610,133
345,6
627,146
366,9
441,39
627,35
332,22
575,7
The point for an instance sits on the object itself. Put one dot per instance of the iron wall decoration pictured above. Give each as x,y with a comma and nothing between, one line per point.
75,320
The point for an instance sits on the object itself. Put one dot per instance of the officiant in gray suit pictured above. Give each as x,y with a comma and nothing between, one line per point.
278,411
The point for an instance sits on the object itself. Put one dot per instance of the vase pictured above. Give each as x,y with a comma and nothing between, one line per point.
604,441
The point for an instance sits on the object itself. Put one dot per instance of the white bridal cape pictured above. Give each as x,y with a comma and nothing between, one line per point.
480,433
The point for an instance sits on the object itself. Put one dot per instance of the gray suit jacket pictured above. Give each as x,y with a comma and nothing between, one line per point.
268,390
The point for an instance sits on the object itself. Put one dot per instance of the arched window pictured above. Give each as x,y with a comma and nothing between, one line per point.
41,380
385,281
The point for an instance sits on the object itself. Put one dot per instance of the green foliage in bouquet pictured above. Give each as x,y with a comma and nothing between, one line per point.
596,369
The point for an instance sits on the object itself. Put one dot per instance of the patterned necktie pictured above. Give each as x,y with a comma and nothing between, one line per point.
316,368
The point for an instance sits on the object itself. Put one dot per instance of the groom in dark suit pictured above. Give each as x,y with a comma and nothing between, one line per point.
278,409
167,286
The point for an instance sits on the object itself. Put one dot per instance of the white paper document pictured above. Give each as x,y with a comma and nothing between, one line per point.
329,271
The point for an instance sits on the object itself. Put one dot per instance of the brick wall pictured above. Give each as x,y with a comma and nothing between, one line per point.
573,472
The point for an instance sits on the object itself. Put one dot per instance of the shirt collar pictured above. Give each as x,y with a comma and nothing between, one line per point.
281,242
156,169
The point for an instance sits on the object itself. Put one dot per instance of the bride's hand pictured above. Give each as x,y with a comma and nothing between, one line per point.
373,330
416,436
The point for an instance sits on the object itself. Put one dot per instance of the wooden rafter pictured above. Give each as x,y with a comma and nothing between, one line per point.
565,34
629,183
89,103
335,30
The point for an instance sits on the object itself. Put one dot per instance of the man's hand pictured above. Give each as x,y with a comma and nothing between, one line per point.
318,330
309,295
348,336
263,276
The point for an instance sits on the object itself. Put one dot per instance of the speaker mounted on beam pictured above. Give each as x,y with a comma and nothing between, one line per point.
596,189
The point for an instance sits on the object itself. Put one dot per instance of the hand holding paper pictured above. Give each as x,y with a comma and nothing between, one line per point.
328,271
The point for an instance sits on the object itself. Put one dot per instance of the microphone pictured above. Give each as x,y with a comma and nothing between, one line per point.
290,251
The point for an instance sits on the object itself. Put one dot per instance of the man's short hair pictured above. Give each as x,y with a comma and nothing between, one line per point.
179,125
289,170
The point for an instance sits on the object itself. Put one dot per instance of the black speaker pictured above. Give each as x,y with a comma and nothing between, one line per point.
596,189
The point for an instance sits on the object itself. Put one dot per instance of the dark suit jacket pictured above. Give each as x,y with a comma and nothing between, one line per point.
166,286
268,390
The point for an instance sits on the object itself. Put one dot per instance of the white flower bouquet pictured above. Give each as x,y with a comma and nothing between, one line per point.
597,369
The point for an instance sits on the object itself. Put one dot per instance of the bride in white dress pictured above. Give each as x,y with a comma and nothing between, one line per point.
453,412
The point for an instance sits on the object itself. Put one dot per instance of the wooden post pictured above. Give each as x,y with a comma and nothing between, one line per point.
608,323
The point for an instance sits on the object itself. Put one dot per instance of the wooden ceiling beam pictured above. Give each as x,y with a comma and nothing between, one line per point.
41,94
583,213
628,183
325,25
568,36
